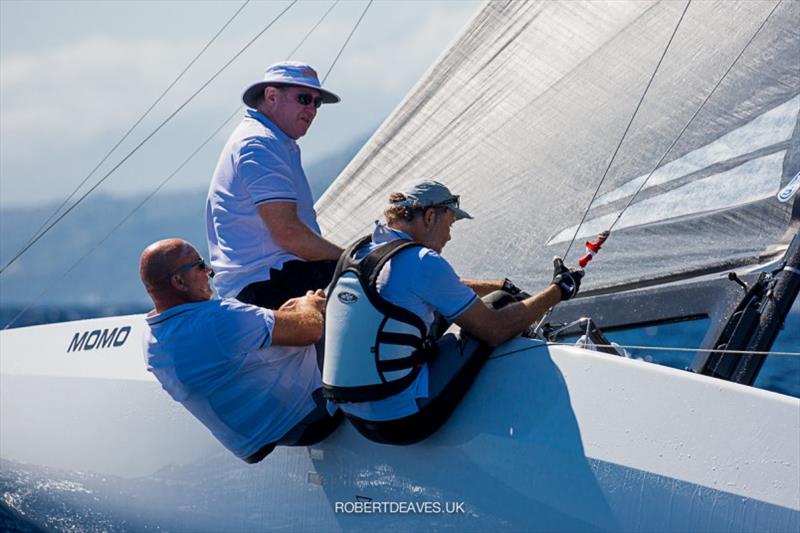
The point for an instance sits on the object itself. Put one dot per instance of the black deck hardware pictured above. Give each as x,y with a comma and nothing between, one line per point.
756,321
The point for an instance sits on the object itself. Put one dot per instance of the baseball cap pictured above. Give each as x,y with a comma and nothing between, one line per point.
427,193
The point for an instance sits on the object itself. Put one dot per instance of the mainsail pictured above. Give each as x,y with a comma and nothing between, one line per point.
522,115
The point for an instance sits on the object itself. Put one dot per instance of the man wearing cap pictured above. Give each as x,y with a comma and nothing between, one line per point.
263,236
381,307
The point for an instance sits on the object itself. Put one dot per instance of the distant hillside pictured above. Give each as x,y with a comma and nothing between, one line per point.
322,173
109,275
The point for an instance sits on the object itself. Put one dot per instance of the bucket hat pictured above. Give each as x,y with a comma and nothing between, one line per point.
288,73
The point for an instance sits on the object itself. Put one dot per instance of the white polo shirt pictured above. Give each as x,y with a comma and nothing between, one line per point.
215,358
259,164
422,281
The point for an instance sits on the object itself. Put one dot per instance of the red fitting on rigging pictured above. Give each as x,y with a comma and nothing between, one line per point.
592,248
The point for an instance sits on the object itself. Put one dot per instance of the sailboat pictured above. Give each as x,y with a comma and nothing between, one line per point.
675,123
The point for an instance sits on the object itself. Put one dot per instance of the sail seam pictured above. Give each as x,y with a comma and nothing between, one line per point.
397,122
702,105
627,128
709,171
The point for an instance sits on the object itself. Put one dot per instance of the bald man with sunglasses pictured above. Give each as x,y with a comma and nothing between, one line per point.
247,373
263,236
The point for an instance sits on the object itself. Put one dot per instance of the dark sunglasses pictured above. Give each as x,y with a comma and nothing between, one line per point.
454,201
306,99
199,263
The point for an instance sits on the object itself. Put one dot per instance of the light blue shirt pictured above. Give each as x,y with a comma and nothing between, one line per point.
422,281
259,164
215,358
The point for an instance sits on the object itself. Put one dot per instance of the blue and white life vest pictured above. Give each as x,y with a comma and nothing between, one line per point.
373,348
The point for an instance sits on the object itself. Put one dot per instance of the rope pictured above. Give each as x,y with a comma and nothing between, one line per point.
692,350
680,134
135,124
147,138
653,348
520,350
121,222
159,187
345,42
702,105
625,133
303,40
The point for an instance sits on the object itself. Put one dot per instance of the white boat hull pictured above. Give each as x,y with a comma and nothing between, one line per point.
548,438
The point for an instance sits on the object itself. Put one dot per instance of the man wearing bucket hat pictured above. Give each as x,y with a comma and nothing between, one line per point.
381,363
263,237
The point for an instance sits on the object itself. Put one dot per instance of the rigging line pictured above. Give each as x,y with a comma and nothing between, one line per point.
138,121
330,69
512,352
668,349
147,138
736,60
654,348
125,219
625,133
150,196
296,48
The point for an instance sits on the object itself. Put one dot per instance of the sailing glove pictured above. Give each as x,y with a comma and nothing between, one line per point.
568,280
510,288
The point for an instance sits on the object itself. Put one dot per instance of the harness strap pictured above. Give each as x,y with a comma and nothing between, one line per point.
403,339
367,269
401,363
424,350
345,259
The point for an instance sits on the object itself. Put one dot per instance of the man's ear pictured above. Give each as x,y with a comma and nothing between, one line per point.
429,216
270,94
178,283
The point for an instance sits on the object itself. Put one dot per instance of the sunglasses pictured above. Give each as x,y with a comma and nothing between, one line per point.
305,99
454,201
199,263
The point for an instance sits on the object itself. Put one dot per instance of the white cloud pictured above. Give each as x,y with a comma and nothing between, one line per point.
387,53
72,98
75,93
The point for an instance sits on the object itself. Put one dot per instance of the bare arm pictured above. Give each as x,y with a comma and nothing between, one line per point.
291,234
300,321
495,326
483,287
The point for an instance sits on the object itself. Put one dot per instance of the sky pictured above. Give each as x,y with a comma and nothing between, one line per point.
74,76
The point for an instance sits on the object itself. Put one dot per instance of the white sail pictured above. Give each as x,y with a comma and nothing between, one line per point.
521,117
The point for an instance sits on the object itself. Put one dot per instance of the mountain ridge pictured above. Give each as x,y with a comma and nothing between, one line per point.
109,274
